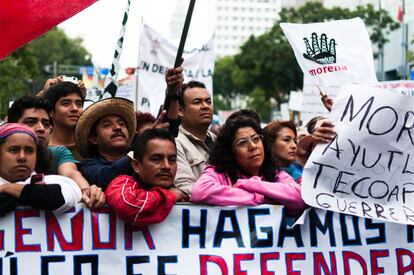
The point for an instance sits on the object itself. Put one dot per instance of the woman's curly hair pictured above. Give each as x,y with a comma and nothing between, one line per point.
222,156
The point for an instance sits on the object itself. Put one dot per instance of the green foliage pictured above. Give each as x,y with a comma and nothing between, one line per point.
257,101
22,72
267,64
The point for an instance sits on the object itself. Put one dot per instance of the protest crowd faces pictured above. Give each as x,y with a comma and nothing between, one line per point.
147,196
242,171
194,140
103,135
67,100
34,112
19,183
282,137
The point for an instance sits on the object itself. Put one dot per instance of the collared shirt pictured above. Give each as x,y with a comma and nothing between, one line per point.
192,156
100,171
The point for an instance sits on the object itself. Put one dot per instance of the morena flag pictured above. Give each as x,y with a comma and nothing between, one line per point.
333,53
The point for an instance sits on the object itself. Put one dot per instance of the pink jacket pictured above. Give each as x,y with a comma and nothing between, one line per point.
216,189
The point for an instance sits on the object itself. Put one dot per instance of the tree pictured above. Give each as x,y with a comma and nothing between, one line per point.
227,81
267,62
22,72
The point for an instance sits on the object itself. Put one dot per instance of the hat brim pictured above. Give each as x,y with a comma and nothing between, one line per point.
109,106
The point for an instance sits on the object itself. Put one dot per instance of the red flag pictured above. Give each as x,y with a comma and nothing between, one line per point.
21,21
400,14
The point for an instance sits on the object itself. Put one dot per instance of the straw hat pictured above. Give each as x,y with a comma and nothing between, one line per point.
109,106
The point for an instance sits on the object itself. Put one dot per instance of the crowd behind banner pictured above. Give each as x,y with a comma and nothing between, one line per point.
203,240
131,170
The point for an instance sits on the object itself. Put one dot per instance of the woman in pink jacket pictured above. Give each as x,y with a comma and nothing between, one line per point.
242,171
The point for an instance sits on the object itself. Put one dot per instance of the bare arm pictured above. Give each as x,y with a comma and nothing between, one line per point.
92,196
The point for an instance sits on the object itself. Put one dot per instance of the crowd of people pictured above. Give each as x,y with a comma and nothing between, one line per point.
54,154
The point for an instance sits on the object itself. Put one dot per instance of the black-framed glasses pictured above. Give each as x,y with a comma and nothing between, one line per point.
245,142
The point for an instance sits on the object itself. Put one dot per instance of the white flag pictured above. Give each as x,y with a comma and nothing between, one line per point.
333,53
156,56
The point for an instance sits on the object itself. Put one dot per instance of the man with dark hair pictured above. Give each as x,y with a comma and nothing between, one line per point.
34,112
245,113
147,196
194,140
67,100
105,131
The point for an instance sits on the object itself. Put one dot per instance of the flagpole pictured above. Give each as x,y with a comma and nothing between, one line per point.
381,50
404,43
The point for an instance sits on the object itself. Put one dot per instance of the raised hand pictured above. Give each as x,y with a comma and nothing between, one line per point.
320,53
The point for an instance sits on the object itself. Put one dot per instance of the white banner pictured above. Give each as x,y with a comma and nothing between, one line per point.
368,168
201,240
333,53
312,104
156,56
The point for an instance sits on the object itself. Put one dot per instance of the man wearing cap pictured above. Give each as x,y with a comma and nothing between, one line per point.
105,131
194,139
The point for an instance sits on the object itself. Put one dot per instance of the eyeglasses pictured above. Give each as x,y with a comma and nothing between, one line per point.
244,142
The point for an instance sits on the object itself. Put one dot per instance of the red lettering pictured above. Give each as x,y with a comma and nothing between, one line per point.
374,255
319,70
330,69
219,261
290,258
237,258
19,215
53,229
129,230
264,257
347,256
96,238
320,264
1,240
401,252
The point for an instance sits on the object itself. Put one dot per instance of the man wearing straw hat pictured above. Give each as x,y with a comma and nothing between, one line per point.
105,131
103,135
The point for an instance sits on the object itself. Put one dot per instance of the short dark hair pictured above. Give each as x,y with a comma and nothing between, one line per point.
143,118
185,86
18,107
222,156
54,93
245,113
310,126
142,139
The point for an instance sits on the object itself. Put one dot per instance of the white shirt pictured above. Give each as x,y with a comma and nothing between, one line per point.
70,190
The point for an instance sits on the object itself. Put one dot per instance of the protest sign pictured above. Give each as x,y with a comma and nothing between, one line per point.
367,169
404,87
333,53
203,240
295,101
312,104
156,56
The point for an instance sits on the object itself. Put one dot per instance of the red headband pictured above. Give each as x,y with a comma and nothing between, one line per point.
9,129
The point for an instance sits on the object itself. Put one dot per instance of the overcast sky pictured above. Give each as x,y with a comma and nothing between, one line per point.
99,26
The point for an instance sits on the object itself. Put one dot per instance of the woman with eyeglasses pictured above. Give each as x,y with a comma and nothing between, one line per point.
242,171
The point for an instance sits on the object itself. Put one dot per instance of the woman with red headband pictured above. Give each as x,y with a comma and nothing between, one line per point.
19,184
